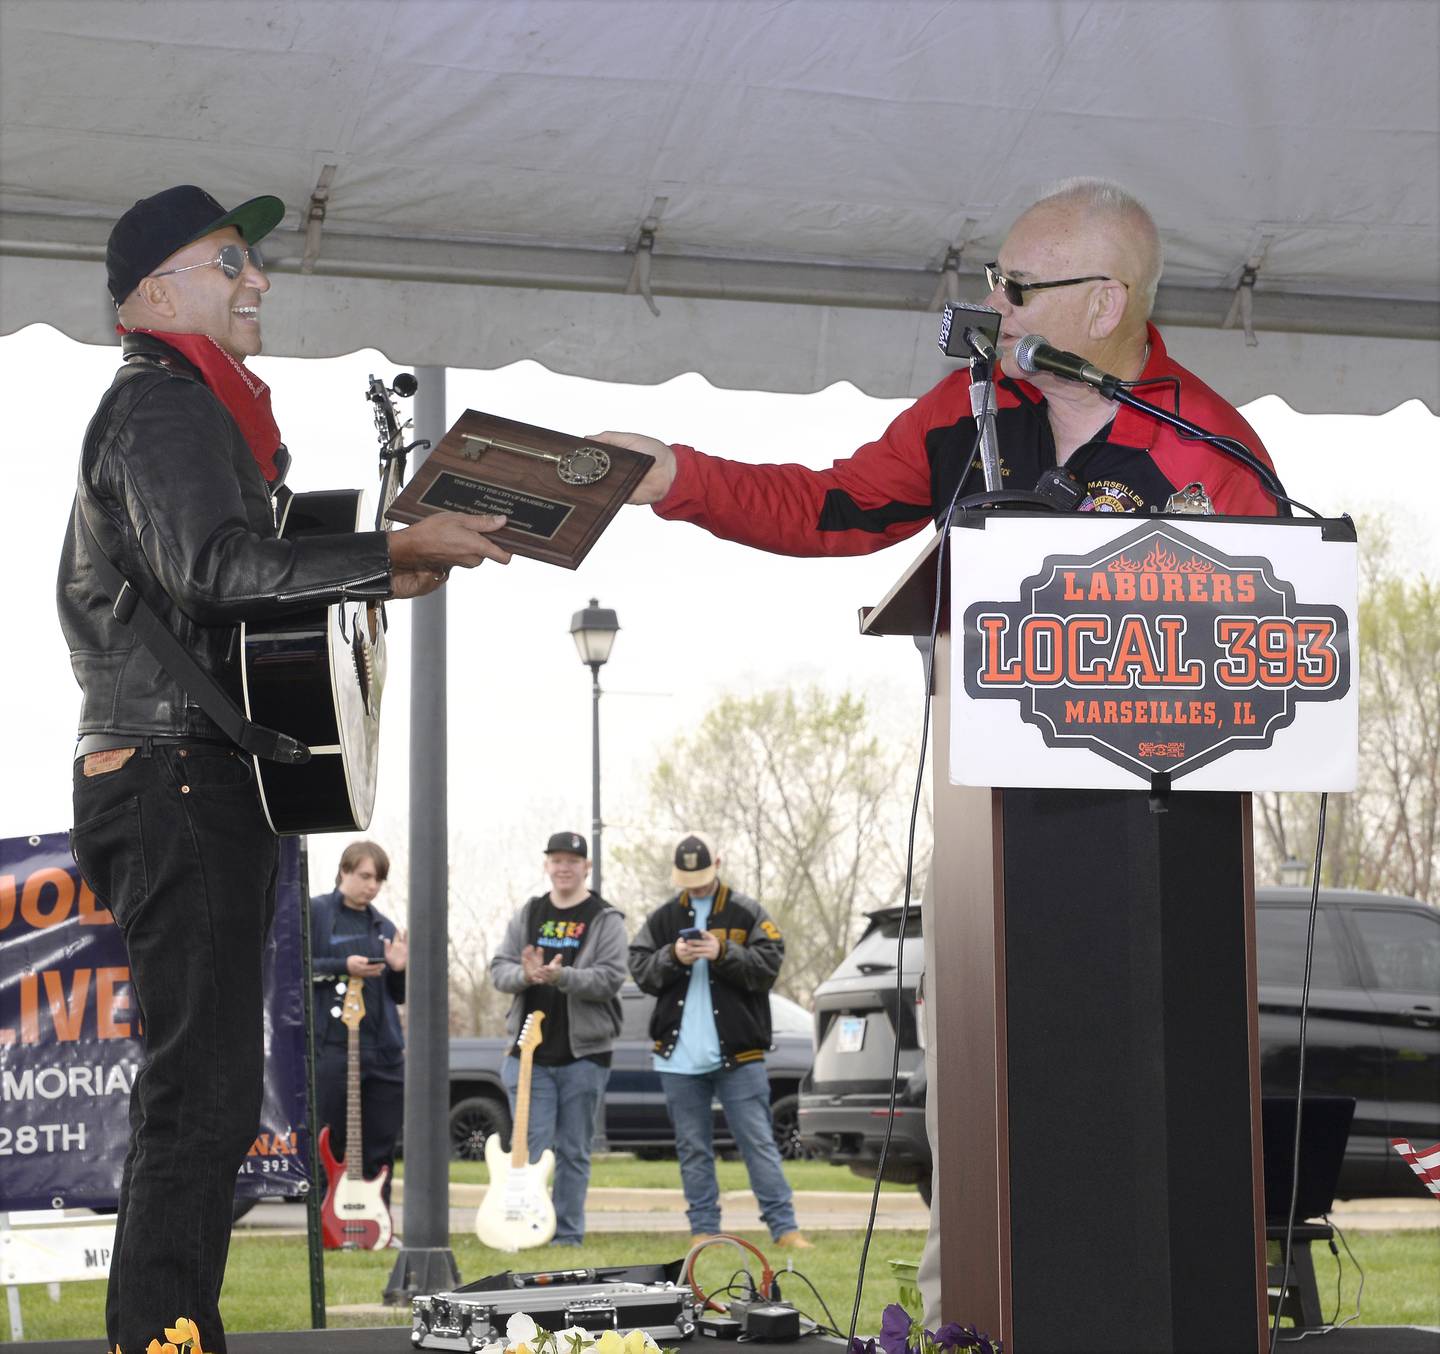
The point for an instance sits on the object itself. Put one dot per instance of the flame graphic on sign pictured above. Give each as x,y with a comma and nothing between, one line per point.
1159,561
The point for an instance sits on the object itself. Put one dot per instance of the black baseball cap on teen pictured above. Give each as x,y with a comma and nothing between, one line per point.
571,843
155,227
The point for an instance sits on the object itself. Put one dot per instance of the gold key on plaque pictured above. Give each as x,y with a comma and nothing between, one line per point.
584,465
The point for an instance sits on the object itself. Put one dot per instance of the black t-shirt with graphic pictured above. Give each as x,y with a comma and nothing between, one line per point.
558,930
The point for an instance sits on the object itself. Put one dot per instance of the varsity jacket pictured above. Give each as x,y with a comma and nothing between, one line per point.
751,952
888,489
590,986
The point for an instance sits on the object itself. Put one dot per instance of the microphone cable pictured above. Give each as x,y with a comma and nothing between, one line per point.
1300,1075
940,557
1113,388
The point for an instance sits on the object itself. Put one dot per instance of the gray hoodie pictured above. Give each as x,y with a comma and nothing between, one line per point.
590,985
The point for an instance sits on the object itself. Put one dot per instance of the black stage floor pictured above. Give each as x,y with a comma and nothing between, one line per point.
396,1340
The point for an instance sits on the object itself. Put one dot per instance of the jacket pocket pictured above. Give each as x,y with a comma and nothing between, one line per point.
110,852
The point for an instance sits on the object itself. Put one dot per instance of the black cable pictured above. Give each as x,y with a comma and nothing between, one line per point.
1339,1275
1300,1073
1172,381
825,1307
940,553
1269,480
1354,1316
1359,1291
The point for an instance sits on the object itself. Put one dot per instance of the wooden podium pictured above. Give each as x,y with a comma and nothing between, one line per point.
1091,969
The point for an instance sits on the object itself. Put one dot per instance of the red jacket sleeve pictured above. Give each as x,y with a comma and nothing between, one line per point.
877,496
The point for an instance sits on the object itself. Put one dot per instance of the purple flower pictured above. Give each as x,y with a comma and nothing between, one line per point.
860,1346
895,1326
965,1340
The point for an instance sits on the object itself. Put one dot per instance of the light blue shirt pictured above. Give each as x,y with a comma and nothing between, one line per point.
697,1046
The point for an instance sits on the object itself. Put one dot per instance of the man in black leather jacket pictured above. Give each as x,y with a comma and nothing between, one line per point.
176,480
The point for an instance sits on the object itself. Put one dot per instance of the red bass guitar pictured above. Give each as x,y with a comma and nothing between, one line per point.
354,1215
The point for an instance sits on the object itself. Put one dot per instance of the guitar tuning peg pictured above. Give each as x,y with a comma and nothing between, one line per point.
335,1011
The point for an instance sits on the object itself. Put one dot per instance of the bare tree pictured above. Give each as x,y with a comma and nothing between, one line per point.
490,877
1385,836
808,810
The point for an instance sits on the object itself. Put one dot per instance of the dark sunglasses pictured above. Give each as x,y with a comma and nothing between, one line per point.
1015,291
230,261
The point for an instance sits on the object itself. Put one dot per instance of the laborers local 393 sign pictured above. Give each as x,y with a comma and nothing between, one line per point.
1095,652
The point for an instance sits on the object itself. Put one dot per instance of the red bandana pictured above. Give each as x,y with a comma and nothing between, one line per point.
243,393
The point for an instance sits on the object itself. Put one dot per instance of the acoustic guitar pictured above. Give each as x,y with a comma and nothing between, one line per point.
319,674
354,1215
516,1212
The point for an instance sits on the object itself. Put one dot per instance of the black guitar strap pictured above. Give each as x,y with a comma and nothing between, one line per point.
131,609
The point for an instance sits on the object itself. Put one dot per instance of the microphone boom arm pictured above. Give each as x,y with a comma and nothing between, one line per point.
1115,389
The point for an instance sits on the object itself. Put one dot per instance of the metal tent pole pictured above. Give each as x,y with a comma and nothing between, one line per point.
425,1263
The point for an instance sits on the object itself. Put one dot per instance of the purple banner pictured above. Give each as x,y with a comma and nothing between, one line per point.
70,1042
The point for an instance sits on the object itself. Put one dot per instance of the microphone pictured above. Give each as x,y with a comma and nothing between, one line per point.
1034,354
979,343
968,330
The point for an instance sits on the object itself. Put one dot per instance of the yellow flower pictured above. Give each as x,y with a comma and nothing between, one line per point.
185,1329
609,1343
637,1342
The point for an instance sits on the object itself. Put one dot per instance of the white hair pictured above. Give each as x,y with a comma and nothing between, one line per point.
1107,199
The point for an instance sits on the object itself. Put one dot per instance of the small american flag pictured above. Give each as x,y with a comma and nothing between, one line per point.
1425,1163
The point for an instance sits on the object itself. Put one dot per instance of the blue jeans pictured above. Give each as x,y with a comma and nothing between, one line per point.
176,845
744,1095
563,1101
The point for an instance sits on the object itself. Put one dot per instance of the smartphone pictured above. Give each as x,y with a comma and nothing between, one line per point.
691,933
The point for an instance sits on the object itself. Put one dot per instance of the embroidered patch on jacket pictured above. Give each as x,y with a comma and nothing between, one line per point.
1112,496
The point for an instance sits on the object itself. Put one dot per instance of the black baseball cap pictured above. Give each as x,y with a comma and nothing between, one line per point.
696,862
571,843
155,227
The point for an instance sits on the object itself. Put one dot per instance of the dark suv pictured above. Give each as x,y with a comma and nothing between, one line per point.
1373,1033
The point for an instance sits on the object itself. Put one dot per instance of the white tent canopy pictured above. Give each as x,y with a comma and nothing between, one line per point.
485,182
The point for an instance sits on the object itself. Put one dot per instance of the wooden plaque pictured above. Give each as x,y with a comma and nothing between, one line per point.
558,491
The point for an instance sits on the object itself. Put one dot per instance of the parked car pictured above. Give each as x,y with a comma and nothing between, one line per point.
1373,1033
845,1098
635,1115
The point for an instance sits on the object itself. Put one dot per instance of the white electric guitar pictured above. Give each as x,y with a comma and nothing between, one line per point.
516,1212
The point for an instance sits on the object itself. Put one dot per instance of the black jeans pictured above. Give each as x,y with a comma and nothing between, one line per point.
174,842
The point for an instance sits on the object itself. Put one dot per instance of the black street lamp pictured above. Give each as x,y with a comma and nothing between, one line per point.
593,631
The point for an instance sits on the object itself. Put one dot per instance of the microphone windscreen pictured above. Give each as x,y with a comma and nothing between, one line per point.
1025,352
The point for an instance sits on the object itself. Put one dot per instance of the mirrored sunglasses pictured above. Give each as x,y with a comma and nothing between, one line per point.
230,261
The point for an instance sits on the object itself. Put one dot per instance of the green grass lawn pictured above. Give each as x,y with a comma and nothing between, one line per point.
266,1287
623,1171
